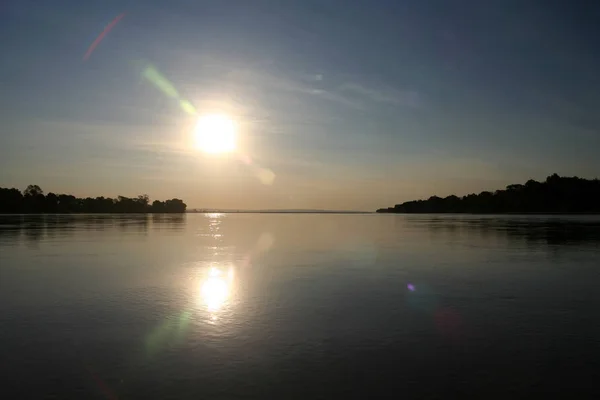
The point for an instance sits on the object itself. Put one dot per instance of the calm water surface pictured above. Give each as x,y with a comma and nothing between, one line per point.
224,306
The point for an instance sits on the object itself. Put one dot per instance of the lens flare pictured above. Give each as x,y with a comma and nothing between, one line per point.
162,83
187,107
96,42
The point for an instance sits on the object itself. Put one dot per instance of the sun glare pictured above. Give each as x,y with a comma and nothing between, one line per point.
217,288
215,134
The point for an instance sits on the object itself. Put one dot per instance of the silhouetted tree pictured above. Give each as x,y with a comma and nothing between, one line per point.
67,203
158,206
32,200
143,200
555,195
33,191
11,201
51,203
175,206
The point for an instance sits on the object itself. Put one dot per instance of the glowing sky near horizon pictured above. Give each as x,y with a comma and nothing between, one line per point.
350,105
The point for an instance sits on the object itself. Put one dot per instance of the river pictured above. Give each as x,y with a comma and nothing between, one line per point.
265,306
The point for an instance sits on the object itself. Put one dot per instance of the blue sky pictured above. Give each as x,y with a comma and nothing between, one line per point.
351,104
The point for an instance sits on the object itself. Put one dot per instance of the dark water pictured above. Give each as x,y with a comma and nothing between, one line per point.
299,306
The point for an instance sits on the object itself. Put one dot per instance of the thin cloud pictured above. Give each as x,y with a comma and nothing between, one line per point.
292,85
390,96
243,80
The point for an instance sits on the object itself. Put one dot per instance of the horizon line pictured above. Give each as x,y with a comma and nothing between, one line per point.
283,210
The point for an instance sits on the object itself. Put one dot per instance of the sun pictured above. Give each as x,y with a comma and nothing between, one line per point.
215,134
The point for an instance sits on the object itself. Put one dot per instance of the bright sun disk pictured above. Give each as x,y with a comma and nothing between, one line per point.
215,134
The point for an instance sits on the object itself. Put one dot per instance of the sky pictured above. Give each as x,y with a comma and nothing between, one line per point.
350,105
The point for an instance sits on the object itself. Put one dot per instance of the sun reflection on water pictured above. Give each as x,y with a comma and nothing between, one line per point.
216,289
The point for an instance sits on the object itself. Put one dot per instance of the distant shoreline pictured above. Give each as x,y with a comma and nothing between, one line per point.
33,201
555,196
193,212
488,213
308,212
276,212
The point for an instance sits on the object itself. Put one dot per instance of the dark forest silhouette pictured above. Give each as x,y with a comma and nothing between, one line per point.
33,200
555,195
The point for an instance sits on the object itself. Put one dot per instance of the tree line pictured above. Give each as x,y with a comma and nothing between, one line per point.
33,200
555,195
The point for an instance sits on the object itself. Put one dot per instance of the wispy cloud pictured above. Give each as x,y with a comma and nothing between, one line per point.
354,94
293,84
387,95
